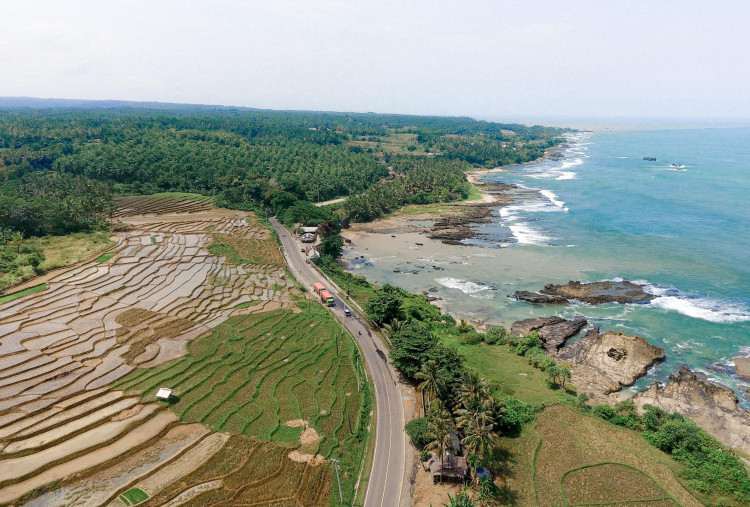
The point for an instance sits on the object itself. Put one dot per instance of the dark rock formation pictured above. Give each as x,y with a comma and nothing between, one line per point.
712,406
604,363
554,331
456,225
597,293
533,297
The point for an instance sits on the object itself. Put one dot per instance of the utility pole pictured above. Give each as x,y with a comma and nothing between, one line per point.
336,466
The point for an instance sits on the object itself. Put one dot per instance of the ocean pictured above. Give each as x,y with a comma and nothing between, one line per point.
680,225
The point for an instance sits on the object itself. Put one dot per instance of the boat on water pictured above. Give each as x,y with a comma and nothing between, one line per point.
677,166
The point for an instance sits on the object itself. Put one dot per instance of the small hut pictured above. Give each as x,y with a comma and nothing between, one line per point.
453,468
164,394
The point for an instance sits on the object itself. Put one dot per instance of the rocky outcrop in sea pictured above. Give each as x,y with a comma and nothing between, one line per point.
554,331
604,363
711,406
594,293
534,297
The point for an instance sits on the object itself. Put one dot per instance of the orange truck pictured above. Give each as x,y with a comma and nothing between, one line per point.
318,288
327,298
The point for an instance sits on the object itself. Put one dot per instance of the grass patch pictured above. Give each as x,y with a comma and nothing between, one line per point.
510,373
134,496
210,228
105,257
63,250
475,194
21,293
253,373
560,458
246,304
246,251
37,255
153,240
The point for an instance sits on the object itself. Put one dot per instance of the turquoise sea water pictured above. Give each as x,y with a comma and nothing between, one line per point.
602,213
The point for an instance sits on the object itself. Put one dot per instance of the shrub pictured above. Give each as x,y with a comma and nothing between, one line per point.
417,430
538,359
470,338
512,414
527,343
447,318
604,412
425,456
496,335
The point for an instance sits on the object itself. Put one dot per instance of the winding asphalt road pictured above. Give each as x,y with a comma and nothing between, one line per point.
387,475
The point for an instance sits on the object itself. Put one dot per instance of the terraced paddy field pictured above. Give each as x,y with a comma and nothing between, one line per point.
69,436
567,458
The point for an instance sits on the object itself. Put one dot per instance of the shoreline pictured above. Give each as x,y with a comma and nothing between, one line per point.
408,231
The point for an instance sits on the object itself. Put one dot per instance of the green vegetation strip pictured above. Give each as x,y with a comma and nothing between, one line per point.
246,304
105,257
533,470
134,496
21,293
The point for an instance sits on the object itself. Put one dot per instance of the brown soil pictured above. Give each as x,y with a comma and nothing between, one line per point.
309,436
301,457
296,423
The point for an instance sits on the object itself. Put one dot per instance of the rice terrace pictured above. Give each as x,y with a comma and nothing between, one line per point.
266,383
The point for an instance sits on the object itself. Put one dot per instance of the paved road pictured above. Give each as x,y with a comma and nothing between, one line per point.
387,476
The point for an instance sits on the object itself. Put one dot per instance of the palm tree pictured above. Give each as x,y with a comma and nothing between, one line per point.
474,387
432,377
388,331
439,431
17,239
476,420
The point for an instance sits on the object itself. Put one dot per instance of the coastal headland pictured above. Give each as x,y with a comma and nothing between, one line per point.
427,240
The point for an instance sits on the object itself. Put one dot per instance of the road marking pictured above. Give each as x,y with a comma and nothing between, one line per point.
390,438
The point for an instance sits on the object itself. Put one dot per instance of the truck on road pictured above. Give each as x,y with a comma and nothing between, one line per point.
327,298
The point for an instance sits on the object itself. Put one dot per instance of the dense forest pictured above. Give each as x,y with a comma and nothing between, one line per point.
60,167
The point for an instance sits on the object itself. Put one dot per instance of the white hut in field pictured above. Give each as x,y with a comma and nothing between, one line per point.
164,394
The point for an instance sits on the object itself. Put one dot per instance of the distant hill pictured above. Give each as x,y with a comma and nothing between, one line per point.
44,103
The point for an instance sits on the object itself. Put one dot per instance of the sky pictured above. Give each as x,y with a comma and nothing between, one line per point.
492,59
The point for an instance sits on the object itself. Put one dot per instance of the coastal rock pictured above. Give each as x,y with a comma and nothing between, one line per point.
597,293
534,297
712,406
742,366
554,331
604,363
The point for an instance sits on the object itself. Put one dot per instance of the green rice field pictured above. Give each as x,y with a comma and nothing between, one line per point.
254,373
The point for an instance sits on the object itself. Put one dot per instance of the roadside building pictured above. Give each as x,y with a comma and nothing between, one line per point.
452,468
